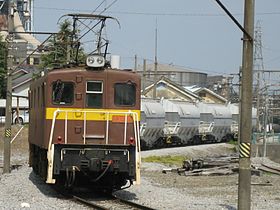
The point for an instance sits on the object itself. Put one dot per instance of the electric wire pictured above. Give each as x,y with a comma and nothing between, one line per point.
92,13
90,22
156,14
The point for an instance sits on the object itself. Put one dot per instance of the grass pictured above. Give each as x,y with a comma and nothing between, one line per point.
235,143
166,160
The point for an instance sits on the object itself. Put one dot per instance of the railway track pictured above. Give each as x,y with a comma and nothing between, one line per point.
98,200
110,202
271,169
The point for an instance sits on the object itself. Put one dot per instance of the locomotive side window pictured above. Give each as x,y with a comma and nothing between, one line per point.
125,94
94,94
62,92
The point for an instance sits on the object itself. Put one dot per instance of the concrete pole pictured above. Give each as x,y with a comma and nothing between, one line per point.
144,74
244,184
265,125
18,110
8,118
239,103
156,68
135,63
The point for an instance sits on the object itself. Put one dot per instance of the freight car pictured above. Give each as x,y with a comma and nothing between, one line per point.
217,119
192,123
185,116
152,122
84,124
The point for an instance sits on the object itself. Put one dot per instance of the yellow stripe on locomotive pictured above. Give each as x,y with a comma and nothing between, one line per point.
114,115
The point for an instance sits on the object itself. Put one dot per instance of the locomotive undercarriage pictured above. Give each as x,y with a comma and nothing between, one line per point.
38,160
107,167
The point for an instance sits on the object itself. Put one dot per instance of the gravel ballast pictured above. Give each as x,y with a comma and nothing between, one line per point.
22,189
171,191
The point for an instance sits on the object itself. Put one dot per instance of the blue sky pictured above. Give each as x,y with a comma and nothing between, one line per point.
195,34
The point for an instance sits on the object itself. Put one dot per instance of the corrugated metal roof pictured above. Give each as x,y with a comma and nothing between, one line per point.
30,70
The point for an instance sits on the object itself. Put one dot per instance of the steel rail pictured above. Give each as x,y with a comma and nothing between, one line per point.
89,203
276,169
111,198
132,204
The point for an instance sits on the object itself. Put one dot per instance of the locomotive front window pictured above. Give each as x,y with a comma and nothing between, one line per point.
125,94
62,92
94,94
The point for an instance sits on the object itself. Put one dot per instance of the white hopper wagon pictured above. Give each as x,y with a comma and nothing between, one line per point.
152,122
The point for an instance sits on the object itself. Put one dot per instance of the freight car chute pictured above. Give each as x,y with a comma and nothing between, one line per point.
152,122
188,116
219,118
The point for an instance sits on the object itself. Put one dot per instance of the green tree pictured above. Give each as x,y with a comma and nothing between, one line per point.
60,47
3,67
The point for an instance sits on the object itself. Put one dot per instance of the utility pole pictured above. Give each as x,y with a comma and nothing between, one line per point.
8,120
239,102
244,183
245,126
156,66
144,74
259,67
135,63
265,125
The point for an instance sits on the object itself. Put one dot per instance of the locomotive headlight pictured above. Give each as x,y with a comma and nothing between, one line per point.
100,60
95,61
90,60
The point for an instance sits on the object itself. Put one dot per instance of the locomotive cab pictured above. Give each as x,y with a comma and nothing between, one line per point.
84,120
85,125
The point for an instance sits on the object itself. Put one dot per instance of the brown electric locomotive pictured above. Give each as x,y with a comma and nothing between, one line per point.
84,125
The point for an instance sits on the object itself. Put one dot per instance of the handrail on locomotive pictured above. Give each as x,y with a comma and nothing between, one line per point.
136,129
134,115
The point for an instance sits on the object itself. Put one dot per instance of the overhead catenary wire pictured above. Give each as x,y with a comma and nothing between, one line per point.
101,12
92,12
158,13
88,26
